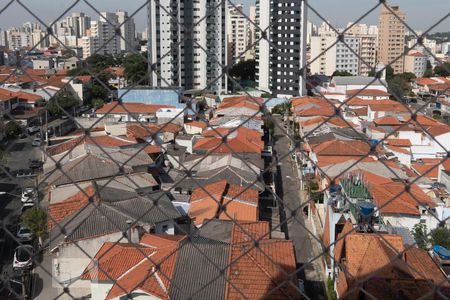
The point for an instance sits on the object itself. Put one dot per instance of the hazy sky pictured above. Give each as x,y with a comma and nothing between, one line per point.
420,14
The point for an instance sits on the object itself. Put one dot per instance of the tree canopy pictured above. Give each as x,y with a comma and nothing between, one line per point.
136,68
341,73
244,70
64,100
442,70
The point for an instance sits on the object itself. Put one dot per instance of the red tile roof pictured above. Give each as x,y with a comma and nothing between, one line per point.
127,108
438,130
424,81
399,142
240,140
427,170
387,121
366,92
341,147
133,267
199,124
417,54
398,149
393,199
239,203
59,211
260,272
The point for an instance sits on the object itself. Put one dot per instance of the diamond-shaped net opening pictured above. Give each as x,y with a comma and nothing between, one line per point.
220,150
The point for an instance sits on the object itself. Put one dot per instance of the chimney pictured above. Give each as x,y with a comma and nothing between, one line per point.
135,234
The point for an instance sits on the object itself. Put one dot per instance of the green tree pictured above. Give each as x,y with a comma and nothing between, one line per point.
135,67
99,62
341,73
389,72
419,233
282,108
12,130
36,220
429,70
97,102
441,237
331,293
268,123
442,70
244,70
399,87
64,100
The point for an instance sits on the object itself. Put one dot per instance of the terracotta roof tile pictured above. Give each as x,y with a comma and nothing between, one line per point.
126,108
199,124
341,147
253,274
238,204
59,211
398,149
427,170
399,142
367,92
241,140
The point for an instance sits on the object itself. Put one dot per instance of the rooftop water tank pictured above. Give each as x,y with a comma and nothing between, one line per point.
366,208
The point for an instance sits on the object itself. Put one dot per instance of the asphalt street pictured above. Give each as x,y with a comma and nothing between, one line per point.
287,185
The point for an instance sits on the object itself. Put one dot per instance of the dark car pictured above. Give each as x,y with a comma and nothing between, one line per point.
23,257
36,164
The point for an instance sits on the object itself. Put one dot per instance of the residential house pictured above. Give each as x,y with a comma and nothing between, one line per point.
224,201
225,140
83,217
383,267
130,112
164,267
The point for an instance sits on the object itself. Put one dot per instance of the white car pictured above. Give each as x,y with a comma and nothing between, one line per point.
28,195
27,206
23,257
36,142
24,234
33,129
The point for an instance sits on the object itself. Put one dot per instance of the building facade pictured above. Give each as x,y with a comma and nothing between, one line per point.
187,44
391,37
279,63
416,63
238,34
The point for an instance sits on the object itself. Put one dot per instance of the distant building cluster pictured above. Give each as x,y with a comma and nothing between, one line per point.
359,48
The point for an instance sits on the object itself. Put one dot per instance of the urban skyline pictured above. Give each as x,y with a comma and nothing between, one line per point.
420,15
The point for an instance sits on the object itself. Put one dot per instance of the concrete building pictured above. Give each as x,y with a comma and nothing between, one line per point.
279,70
416,63
252,28
238,33
79,23
347,59
342,56
189,63
391,37
367,53
127,31
323,61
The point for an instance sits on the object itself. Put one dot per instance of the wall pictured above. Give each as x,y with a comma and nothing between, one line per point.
72,261
170,227
192,129
186,143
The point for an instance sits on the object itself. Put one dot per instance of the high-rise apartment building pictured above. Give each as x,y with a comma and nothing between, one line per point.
127,31
188,56
238,34
391,37
279,63
367,36
79,24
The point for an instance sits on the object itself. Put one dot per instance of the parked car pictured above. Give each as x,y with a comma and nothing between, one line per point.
26,206
28,195
33,129
83,108
36,142
23,257
24,173
36,164
24,234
